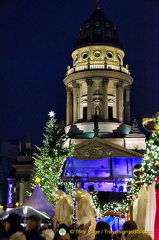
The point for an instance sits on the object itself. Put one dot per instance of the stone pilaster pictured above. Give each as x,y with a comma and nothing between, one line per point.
120,100
105,97
68,106
127,104
75,101
89,98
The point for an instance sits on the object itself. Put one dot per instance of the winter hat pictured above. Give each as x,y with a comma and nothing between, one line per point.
13,219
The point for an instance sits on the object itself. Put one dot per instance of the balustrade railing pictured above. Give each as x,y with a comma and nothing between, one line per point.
98,66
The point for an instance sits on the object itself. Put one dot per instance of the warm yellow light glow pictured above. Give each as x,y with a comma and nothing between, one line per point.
1,206
17,204
37,180
136,146
146,119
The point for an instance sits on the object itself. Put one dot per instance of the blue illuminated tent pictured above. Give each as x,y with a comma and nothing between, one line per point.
108,174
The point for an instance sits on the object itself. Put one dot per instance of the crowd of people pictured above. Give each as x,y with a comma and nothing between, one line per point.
84,226
12,229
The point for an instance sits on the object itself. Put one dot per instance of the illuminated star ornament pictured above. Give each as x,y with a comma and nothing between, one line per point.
51,114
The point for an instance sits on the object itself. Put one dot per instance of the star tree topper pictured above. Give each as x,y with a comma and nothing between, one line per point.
51,114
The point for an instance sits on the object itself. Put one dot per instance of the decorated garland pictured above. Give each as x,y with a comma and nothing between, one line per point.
110,207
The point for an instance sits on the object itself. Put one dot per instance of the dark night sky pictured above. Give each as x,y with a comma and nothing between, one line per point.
36,42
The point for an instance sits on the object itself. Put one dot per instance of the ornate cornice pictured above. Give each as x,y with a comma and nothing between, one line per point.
97,148
93,74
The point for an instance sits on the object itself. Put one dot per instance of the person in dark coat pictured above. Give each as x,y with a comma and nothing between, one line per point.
12,225
127,226
2,228
103,231
33,228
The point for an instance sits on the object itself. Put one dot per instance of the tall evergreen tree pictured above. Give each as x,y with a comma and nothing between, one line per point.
150,162
51,157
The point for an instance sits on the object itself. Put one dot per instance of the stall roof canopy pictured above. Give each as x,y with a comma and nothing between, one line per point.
24,212
38,201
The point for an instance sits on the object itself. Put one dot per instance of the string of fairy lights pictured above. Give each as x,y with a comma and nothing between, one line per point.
49,161
144,176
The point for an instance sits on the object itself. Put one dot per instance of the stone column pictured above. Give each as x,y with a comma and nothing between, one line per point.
105,97
89,98
127,104
21,192
75,101
120,100
68,106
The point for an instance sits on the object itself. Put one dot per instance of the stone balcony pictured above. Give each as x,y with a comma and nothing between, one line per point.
98,67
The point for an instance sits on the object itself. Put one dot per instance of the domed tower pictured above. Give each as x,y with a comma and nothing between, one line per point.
98,85
98,111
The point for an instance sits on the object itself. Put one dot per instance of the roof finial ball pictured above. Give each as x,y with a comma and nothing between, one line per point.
37,180
98,5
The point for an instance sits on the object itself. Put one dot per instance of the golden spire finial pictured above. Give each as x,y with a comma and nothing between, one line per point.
98,5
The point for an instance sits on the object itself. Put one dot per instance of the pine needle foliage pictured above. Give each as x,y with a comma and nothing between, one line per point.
49,162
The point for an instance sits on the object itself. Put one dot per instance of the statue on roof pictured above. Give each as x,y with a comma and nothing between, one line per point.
98,5
96,119
134,127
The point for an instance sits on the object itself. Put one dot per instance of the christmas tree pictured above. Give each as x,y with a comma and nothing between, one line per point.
49,161
150,162
149,169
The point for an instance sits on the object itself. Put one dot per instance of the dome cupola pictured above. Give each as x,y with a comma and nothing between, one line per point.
98,83
97,30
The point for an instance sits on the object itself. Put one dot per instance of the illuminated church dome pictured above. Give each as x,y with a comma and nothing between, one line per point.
98,86
98,83
97,30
